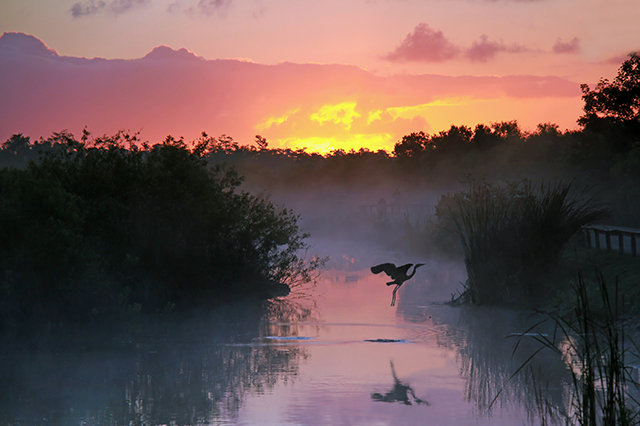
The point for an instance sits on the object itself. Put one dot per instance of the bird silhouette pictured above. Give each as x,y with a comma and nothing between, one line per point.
397,273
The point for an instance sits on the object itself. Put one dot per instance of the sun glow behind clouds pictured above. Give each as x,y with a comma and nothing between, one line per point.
376,125
320,107
352,125
343,113
326,145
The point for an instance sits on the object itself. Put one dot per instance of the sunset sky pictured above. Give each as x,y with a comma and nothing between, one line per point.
319,74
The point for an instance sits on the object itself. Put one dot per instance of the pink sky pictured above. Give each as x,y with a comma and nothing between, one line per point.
329,74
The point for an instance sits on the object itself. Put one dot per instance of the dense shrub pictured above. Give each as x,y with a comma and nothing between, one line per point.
99,224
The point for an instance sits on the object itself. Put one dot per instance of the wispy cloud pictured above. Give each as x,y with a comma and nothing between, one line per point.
87,8
202,7
572,46
483,50
213,7
424,44
116,7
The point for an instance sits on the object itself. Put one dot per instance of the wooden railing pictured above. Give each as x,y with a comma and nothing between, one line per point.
613,238
392,208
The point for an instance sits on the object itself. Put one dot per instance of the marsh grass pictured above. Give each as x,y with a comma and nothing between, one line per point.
513,236
596,349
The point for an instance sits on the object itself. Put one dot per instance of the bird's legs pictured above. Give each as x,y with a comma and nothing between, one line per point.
393,299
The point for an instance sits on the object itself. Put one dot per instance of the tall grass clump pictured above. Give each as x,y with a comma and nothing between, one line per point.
513,235
596,349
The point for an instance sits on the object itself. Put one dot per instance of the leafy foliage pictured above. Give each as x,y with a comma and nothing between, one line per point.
611,117
99,223
618,100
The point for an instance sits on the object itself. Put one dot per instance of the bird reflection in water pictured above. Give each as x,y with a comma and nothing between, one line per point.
400,393
399,274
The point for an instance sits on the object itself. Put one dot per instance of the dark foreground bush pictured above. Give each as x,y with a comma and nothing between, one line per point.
100,225
513,236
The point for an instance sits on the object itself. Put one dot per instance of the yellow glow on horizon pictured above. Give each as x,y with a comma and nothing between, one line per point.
380,126
342,113
323,145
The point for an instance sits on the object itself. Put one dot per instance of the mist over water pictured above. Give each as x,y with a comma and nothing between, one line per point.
367,206
331,353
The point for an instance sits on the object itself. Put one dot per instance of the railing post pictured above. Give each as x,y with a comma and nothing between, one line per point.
586,237
609,232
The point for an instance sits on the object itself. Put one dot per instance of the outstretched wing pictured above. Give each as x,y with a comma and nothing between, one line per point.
387,268
402,270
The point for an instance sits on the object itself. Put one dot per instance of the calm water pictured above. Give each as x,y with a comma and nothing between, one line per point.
335,354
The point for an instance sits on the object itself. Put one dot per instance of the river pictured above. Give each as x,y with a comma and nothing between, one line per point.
335,353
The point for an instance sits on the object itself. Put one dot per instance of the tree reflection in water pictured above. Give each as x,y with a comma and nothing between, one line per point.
195,372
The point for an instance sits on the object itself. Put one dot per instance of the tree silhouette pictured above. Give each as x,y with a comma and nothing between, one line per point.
617,100
412,145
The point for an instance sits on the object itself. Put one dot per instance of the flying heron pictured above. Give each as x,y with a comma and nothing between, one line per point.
398,273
